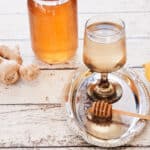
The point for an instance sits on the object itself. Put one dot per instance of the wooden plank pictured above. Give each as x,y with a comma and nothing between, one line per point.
44,125
77,148
50,87
35,126
139,49
94,148
19,6
19,29
101,6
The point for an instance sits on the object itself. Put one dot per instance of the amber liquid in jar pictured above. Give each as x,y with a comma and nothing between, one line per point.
53,26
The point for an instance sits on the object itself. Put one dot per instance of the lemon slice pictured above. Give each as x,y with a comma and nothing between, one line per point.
147,70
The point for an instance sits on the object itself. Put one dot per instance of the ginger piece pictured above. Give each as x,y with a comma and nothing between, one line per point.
147,70
9,71
11,67
11,53
29,72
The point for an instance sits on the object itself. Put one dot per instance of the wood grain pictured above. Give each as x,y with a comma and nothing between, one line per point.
32,115
139,49
98,6
50,87
44,125
35,126
11,29
91,148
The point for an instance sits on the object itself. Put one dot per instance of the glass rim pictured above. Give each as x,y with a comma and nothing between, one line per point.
109,20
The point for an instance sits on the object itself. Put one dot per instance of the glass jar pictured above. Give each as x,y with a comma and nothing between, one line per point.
53,27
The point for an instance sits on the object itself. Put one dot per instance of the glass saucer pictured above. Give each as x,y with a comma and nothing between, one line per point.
123,129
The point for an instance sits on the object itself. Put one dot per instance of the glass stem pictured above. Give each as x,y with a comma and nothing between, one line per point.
104,83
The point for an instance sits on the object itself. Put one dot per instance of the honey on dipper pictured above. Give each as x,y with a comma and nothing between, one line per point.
102,123
100,112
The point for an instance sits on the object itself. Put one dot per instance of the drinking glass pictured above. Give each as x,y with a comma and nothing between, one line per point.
104,52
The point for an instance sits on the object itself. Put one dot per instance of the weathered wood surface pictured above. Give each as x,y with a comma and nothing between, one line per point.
94,148
139,49
44,125
88,6
32,114
27,123
50,87
15,26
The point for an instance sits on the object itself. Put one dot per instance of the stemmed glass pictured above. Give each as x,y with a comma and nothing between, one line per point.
104,52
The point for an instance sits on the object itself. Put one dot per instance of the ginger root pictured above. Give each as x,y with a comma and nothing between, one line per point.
11,53
9,71
11,68
29,72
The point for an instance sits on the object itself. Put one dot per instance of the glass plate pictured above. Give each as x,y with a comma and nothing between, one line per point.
135,99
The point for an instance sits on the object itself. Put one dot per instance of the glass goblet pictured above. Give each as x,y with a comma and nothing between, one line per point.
104,52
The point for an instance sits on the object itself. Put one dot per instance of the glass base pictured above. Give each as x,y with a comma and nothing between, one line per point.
111,94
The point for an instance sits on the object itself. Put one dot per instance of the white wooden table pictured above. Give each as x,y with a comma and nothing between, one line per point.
32,114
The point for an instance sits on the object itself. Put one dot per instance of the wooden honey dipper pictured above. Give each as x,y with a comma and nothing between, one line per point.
102,111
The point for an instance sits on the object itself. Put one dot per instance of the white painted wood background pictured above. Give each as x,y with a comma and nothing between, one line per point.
32,114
